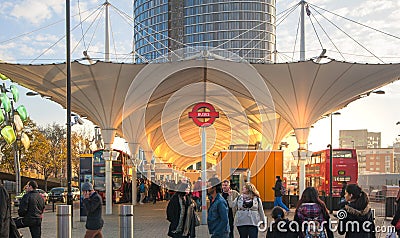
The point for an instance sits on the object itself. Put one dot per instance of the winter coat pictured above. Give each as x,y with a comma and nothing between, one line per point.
396,217
248,216
362,218
217,219
5,213
229,199
277,188
312,212
174,216
31,207
93,206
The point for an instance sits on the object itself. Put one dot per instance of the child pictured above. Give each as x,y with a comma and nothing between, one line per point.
281,227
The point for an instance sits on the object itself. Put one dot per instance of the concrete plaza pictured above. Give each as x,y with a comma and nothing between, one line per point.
149,222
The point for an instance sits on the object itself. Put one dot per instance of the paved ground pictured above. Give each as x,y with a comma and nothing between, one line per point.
149,222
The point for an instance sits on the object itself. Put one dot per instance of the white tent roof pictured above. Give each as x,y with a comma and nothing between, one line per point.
132,98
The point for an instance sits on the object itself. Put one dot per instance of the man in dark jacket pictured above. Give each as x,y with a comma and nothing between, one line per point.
278,194
180,213
31,210
154,189
5,212
92,203
217,219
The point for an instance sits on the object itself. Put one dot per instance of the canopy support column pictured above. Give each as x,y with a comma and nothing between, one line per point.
108,137
133,147
301,154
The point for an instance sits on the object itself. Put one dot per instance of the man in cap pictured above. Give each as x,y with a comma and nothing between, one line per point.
217,219
93,205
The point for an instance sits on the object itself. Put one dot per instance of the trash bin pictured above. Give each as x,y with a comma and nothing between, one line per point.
390,209
390,194
293,200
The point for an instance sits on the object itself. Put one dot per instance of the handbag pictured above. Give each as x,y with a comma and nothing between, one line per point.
248,203
196,219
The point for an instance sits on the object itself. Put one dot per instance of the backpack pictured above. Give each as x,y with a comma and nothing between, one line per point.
283,190
315,229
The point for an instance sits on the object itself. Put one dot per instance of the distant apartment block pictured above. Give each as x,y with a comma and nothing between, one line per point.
376,160
396,148
359,139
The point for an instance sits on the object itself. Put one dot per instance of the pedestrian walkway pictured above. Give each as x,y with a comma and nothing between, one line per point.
149,222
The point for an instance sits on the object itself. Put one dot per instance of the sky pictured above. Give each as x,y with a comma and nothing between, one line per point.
32,32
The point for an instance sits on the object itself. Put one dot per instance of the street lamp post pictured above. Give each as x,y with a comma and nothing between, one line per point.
330,164
68,107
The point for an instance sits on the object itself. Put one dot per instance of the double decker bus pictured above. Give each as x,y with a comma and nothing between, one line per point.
344,169
121,173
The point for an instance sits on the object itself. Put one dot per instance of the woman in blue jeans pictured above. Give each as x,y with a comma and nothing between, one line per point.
278,194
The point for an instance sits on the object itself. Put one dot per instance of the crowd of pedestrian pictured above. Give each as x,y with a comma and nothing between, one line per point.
228,210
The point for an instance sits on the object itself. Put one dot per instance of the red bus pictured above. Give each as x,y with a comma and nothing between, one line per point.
344,168
121,174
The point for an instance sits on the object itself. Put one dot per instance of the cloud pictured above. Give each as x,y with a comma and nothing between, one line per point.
371,7
37,12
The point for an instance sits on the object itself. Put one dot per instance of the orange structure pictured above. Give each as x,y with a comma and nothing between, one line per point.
260,165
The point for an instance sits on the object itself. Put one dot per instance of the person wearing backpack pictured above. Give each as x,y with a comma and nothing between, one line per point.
278,189
312,216
357,214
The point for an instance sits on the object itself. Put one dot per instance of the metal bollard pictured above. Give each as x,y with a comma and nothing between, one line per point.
64,223
126,221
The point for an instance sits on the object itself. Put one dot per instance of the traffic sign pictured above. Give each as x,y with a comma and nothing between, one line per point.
196,114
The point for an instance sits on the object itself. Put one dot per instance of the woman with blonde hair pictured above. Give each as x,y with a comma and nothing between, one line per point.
250,212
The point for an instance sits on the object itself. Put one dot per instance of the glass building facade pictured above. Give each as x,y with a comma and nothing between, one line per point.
246,28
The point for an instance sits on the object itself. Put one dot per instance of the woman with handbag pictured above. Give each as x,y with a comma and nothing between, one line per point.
249,211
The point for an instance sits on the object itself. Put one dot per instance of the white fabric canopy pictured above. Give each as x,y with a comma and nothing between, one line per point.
149,104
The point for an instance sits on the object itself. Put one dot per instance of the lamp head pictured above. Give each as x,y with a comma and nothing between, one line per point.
78,120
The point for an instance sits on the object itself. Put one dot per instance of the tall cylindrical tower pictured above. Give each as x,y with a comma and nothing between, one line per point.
246,28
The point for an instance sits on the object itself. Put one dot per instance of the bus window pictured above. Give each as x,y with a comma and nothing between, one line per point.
99,183
342,154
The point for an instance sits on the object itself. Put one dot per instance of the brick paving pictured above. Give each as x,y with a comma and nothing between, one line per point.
149,222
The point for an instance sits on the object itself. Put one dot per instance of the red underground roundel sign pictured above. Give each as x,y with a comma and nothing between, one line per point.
203,110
